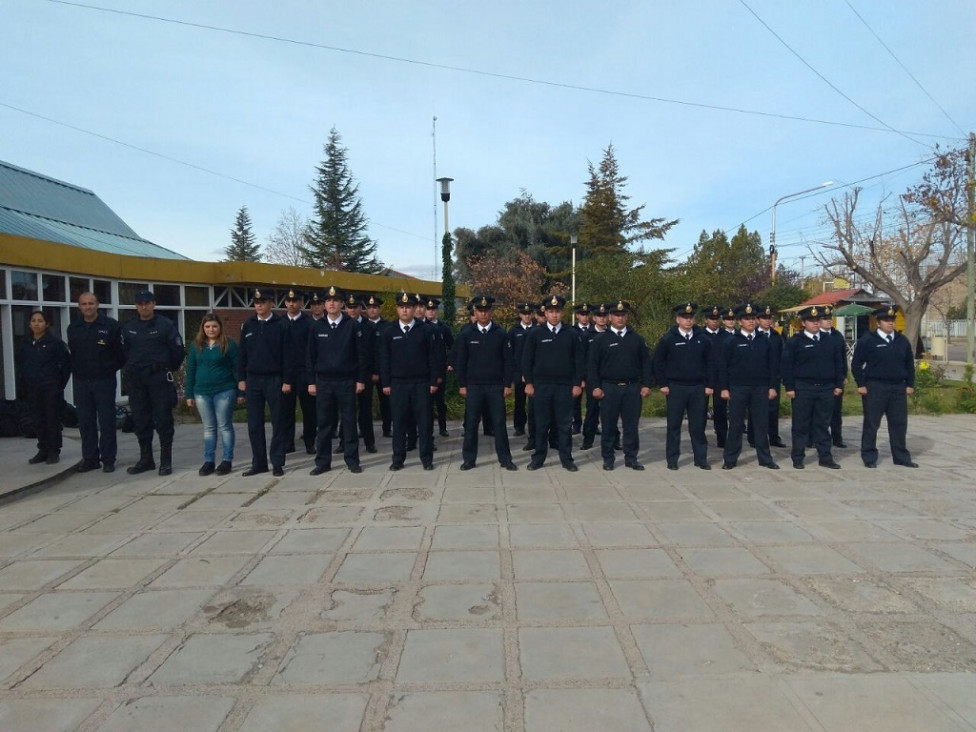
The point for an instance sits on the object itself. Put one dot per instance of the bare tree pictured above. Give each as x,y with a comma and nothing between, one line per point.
285,242
909,251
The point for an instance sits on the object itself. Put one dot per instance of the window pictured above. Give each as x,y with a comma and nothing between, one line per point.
23,285
78,285
53,286
129,290
103,291
167,295
3,284
196,296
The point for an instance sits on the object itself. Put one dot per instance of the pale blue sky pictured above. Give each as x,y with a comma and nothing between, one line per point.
260,110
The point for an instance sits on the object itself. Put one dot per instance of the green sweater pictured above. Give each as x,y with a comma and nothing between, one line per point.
209,371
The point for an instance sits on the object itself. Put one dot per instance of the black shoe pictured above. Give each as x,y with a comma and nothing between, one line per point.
86,465
533,466
809,446
53,458
774,443
428,466
370,448
577,430
841,443
319,470
40,457
829,464
309,449
467,466
277,471
444,432
528,446
909,464
165,469
207,468
289,450
108,467
728,466
387,433
703,466
587,444
870,465
672,466
141,467
254,471
519,433
798,464
354,468
771,466
720,443
553,445
337,450
571,467
509,465
617,446
224,468
411,446
607,465
396,466
634,465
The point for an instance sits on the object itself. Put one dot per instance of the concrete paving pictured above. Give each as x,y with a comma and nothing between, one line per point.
749,600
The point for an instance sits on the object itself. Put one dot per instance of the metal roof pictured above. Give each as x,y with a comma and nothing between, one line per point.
39,207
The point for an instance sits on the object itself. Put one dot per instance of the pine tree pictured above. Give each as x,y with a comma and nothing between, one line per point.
606,225
243,246
336,237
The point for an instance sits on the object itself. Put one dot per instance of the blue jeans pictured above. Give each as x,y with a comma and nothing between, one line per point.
217,412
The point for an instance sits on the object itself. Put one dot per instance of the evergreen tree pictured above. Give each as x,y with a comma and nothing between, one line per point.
336,237
243,246
607,226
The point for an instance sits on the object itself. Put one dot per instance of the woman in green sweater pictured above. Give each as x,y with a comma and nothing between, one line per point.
211,387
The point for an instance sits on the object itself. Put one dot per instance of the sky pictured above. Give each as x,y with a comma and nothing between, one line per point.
715,108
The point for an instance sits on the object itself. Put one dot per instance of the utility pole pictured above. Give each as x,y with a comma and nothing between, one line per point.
970,250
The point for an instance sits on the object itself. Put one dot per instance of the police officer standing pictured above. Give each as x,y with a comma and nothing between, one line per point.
591,422
683,369
516,342
746,379
265,374
297,325
813,373
447,338
364,398
337,358
154,350
619,373
827,330
373,304
95,342
884,369
408,375
553,367
582,328
715,333
484,375
765,329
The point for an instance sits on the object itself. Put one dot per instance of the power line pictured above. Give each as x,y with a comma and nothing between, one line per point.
824,78
904,68
498,75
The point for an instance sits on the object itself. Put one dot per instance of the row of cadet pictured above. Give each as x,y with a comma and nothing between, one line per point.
331,360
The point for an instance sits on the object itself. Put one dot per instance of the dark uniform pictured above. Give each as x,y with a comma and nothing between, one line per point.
884,369
553,364
683,365
96,354
154,350
409,369
837,416
296,345
591,422
364,399
619,365
777,342
338,361
812,368
484,370
746,370
379,325
583,331
262,363
516,342
720,416
44,369
447,343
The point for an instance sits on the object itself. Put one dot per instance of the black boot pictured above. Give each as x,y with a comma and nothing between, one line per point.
165,458
145,460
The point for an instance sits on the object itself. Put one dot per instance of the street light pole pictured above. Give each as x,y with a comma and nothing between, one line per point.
573,240
772,234
447,260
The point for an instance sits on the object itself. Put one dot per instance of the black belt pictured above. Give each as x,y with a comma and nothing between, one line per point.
814,383
621,383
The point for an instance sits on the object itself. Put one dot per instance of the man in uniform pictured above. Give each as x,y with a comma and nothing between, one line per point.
373,305
728,320
765,329
264,374
516,342
337,361
553,366
884,369
591,423
316,306
582,328
619,373
297,325
154,350
813,370
364,398
827,330
716,334
484,375
95,342
683,370
447,339
746,379
409,375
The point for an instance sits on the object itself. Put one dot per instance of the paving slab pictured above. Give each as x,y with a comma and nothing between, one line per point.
165,713
303,712
213,658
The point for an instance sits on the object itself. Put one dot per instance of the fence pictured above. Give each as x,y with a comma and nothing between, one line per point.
956,328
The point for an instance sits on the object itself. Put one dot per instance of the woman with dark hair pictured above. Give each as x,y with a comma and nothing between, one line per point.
45,366
211,387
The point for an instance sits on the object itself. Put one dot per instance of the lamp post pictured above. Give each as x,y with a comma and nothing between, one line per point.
573,240
447,274
772,234
445,197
